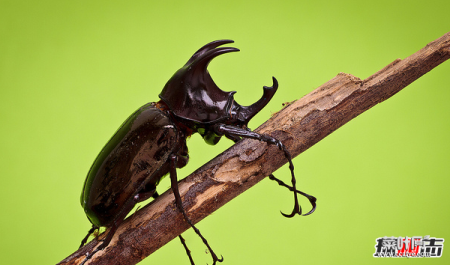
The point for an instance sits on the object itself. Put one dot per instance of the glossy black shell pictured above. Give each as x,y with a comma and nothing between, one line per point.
134,160
137,156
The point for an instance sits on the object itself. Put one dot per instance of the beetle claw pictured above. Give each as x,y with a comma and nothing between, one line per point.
289,215
297,210
312,200
217,259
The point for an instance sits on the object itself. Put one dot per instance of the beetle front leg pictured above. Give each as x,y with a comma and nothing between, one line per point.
234,132
312,199
174,185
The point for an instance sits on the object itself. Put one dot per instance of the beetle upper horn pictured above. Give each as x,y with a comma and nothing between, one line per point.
208,47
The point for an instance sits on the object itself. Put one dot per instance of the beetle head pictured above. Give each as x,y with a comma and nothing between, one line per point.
192,95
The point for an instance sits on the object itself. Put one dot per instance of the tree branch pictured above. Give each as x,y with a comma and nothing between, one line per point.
299,126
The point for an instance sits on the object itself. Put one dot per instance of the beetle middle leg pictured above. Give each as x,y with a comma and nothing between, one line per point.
155,195
174,185
234,133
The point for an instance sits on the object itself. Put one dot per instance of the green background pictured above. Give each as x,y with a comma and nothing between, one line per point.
72,71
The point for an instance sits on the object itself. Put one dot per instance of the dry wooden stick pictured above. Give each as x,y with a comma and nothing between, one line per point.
299,126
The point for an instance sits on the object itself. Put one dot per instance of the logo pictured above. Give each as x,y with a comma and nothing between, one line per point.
408,247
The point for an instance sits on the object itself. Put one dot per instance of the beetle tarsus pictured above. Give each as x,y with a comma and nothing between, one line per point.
311,198
188,252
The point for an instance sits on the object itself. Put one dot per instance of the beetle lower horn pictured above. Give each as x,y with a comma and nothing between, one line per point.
246,113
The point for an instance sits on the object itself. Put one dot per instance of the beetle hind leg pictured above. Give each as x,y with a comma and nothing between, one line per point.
92,230
115,224
105,242
174,185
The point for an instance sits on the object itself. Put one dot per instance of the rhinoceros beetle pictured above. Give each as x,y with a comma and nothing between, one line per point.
151,143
